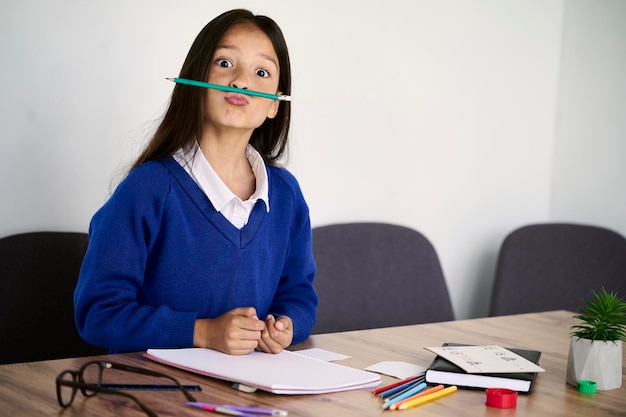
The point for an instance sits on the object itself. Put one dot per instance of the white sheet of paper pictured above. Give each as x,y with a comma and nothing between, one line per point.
485,359
322,354
397,369
281,373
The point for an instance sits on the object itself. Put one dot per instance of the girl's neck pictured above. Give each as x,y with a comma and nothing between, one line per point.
227,156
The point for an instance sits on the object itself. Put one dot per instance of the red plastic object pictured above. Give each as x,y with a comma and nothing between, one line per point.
501,398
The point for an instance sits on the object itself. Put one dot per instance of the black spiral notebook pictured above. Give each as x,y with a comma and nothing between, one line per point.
442,371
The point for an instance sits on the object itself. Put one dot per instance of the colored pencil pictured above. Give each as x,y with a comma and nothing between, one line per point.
395,384
400,388
406,394
419,394
403,389
230,89
427,398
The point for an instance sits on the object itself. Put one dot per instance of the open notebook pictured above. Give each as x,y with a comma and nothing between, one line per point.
283,373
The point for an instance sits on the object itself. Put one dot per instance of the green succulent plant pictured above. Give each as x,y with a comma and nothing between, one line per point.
603,317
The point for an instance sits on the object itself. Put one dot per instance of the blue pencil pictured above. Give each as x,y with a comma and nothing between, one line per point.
411,391
401,388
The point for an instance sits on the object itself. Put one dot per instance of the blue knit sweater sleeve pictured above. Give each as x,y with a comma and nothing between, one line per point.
121,234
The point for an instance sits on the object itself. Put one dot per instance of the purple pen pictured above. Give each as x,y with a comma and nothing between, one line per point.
255,410
216,408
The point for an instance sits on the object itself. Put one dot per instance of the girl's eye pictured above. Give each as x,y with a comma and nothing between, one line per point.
224,63
262,73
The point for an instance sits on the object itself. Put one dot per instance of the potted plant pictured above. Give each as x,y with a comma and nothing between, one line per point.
595,352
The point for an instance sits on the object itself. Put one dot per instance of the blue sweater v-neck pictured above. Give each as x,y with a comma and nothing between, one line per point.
160,256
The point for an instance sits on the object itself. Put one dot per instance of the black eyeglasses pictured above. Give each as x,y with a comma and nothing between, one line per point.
89,380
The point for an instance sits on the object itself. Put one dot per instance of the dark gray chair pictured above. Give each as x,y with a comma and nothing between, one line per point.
373,275
555,266
39,271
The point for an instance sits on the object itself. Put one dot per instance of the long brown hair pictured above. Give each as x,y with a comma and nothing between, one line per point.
182,122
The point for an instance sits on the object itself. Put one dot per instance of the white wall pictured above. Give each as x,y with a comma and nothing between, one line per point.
590,151
436,114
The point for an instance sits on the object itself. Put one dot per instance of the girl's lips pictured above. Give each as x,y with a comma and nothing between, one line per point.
236,99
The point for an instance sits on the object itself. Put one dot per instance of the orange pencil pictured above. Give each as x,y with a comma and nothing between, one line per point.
420,394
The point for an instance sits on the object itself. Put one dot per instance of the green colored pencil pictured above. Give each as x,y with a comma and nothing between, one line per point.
231,89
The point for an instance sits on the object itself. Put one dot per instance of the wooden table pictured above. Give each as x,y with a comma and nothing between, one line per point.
28,389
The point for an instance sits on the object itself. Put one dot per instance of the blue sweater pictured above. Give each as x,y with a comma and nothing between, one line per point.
160,256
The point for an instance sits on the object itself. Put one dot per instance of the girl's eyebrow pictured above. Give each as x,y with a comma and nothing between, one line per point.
269,58
225,47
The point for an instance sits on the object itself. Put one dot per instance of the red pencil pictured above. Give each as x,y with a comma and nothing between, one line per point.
395,384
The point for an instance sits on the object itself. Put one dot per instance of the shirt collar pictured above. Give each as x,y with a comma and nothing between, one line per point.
197,166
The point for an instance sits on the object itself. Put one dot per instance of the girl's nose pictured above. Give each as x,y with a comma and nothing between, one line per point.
239,81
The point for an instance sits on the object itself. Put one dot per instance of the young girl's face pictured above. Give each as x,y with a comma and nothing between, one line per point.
245,58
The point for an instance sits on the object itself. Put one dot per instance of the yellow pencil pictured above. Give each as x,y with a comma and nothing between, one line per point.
427,398
429,391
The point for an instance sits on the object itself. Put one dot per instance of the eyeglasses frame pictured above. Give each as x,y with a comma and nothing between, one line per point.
89,390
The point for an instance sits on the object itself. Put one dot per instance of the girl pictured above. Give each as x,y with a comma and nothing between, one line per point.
207,242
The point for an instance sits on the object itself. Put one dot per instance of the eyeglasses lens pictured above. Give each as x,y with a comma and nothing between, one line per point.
92,375
66,393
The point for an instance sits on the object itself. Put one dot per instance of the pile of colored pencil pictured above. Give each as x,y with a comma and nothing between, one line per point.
410,392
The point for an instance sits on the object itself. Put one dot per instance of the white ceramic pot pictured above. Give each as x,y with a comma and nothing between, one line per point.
597,361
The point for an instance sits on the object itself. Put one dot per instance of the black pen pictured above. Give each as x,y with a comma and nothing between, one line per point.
150,387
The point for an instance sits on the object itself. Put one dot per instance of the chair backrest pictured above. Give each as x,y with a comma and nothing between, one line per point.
376,275
555,266
39,271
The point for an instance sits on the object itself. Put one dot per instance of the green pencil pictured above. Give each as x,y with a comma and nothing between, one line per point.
231,89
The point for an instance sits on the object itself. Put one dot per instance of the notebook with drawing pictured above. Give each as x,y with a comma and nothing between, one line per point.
485,359
283,373
482,367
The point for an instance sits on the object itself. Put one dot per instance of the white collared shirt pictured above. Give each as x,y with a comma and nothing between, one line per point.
223,199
